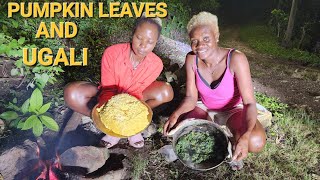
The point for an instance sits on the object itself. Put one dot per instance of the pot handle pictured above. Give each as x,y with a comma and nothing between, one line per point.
229,157
237,164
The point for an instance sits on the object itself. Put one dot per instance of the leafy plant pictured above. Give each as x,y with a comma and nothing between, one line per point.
139,165
279,19
37,75
11,47
173,26
263,40
32,114
272,104
195,146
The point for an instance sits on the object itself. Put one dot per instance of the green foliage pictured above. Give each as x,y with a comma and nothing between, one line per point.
11,47
174,25
263,40
37,75
32,114
139,165
272,104
292,140
279,20
97,34
18,33
195,146
18,26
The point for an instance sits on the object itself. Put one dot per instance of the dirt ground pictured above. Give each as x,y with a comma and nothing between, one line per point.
292,82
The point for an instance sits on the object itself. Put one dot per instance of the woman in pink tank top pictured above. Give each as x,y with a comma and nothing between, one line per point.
221,78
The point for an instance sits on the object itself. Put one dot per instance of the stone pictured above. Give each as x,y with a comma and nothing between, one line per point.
168,153
171,49
149,131
2,127
89,157
114,175
86,119
87,124
16,162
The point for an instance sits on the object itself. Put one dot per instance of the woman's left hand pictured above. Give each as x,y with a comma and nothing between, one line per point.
241,149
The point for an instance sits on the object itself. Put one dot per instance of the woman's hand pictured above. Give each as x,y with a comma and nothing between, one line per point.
170,123
241,148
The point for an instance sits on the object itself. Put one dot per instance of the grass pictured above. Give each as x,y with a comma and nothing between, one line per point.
292,151
139,165
263,40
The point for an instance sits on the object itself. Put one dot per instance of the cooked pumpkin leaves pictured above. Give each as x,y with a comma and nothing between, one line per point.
195,146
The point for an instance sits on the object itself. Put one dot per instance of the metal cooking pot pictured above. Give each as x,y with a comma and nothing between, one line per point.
222,143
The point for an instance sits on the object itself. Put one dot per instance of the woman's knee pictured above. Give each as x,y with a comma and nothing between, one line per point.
78,92
197,113
257,141
167,92
158,91
69,92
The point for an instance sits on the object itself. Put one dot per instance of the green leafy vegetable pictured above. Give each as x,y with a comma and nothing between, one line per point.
195,146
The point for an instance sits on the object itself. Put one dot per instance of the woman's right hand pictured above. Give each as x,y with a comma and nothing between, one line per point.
170,123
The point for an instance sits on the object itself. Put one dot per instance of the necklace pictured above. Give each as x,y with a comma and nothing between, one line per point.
133,61
213,70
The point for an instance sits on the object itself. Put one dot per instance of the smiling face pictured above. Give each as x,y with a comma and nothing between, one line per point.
203,41
144,39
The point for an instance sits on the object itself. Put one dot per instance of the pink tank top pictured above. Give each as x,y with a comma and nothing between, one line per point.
225,95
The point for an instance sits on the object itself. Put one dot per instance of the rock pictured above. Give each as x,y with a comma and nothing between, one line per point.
114,175
2,127
87,124
73,122
86,119
16,162
168,153
170,76
89,157
149,131
173,50
116,168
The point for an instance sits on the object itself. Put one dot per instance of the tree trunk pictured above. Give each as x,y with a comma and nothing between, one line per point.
287,38
302,36
170,51
278,34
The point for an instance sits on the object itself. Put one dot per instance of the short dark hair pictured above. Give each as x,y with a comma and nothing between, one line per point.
142,20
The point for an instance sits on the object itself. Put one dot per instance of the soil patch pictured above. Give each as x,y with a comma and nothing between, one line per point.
293,83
